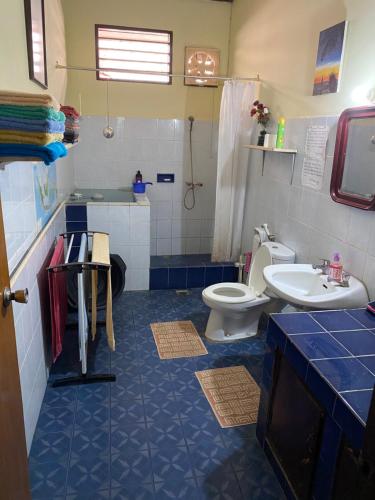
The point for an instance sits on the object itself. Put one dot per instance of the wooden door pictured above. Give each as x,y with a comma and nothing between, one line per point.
14,483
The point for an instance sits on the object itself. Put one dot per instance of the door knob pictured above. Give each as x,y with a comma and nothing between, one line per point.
21,296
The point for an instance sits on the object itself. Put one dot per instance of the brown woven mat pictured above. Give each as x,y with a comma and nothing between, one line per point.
177,339
232,393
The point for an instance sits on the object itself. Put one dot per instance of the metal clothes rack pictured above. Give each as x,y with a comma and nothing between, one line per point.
80,268
156,73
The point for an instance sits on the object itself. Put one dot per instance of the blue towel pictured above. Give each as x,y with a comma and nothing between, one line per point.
48,153
48,126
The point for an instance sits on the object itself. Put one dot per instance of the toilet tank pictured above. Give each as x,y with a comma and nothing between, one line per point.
280,253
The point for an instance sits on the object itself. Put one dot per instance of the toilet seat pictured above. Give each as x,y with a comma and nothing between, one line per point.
229,293
238,293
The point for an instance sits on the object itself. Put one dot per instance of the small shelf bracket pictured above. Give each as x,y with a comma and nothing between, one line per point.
264,149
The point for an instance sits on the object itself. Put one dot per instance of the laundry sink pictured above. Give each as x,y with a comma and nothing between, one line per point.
302,285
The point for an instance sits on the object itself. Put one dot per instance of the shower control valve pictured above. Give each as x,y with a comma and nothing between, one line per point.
194,184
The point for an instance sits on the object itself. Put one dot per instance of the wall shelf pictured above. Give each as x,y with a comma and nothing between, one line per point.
265,149
11,159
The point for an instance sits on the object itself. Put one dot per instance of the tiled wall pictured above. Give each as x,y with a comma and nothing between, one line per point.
18,204
29,325
129,230
308,221
17,198
21,230
155,146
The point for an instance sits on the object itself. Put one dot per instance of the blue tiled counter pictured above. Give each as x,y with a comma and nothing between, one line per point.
333,354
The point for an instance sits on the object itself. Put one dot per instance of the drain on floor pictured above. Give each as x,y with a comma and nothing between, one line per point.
183,292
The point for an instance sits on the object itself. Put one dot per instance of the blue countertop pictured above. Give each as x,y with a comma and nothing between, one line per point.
334,353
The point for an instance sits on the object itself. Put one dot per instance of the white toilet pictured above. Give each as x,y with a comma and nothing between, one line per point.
235,307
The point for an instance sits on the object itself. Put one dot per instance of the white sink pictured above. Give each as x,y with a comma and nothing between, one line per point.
302,285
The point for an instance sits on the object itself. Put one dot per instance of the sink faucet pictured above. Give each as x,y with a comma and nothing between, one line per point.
323,266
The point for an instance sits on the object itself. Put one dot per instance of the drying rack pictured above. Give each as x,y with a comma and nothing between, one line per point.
80,268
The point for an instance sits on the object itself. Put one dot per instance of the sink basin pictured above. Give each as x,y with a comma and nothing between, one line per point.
302,285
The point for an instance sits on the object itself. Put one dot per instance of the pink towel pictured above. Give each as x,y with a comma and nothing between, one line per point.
58,299
248,256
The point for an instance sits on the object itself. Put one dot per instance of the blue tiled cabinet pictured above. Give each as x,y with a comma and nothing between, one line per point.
294,427
317,384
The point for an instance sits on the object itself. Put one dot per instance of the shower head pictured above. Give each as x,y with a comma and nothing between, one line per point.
191,120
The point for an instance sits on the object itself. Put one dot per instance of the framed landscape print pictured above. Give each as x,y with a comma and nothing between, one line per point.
36,41
329,59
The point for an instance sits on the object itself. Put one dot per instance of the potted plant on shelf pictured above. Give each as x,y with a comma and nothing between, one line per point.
262,115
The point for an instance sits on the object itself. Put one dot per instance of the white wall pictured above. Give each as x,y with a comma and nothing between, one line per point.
153,146
308,221
14,73
129,230
195,23
279,41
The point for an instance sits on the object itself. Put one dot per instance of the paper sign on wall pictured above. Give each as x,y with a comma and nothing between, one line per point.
315,155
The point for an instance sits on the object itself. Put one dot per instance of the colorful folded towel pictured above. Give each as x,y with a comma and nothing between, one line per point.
35,138
31,112
27,99
70,111
49,126
48,153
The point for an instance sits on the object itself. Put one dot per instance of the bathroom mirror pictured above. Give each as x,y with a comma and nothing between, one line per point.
353,173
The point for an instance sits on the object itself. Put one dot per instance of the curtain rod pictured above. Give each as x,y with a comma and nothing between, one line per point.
155,73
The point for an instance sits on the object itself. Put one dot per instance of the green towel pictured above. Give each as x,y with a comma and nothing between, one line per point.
31,112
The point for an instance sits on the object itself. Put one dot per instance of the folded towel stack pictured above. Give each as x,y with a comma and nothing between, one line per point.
31,127
72,116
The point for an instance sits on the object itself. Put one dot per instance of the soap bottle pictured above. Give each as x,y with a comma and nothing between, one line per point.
280,133
335,267
138,177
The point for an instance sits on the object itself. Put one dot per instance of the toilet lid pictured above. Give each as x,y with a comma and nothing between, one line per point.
262,259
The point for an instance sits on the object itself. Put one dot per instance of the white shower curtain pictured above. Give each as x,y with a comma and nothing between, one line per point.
235,129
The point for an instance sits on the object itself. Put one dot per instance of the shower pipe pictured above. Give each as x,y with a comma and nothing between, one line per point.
156,73
191,186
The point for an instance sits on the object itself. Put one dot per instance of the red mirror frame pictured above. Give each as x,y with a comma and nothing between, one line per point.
337,195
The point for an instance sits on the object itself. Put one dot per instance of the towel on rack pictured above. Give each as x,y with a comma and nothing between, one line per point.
27,125
31,112
25,98
36,138
58,299
48,154
100,254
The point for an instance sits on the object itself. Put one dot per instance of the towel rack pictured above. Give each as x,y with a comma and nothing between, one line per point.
79,268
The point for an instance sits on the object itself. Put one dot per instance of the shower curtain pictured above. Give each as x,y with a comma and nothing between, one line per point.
235,128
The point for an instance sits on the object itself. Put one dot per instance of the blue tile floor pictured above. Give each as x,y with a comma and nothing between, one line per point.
151,434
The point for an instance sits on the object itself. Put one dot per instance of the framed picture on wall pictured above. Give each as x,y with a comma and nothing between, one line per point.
329,59
36,41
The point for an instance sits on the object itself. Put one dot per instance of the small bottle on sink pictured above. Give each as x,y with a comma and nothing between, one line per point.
138,177
335,267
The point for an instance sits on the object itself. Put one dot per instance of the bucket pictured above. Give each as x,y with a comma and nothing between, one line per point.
140,187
